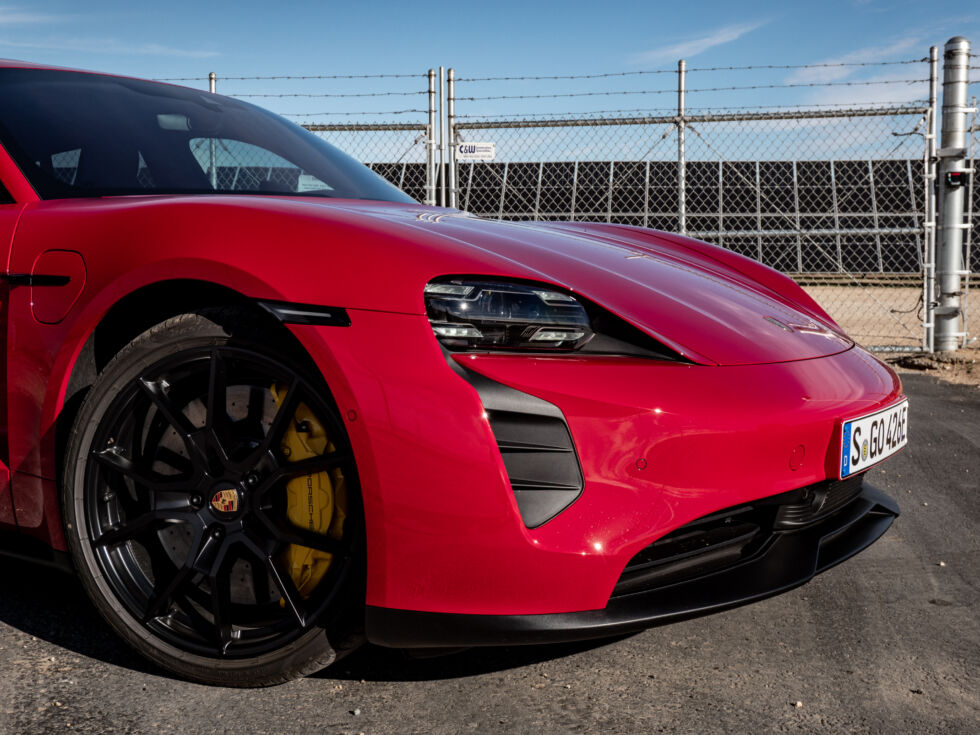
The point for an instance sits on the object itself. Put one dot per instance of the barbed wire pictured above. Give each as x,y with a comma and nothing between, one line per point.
689,91
894,104
690,69
294,76
351,114
335,94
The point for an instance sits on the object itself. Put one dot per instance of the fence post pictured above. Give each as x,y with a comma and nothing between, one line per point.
929,234
952,177
430,143
213,146
451,109
681,162
442,136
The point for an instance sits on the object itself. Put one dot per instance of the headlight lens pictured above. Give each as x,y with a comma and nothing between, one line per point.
505,316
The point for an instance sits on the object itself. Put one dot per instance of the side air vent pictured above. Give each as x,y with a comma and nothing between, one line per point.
535,444
541,463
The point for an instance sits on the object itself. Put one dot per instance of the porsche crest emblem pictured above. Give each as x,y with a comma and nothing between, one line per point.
225,501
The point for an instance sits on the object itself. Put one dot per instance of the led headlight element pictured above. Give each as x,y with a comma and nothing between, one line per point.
505,316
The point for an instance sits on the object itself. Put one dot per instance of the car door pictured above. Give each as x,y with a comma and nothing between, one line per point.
10,211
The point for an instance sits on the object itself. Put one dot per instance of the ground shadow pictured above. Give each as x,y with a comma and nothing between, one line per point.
51,605
374,663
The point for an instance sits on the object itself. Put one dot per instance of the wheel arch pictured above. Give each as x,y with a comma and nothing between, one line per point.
125,320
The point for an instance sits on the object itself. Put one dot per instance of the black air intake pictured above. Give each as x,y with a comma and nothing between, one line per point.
541,463
535,444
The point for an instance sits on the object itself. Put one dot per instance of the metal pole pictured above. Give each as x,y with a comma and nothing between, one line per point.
929,255
967,255
681,163
451,173
213,170
442,136
952,165
430,143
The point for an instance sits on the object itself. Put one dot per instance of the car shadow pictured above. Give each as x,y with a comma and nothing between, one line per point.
50,604
378,664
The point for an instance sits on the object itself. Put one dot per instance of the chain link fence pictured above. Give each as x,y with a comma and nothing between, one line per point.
834,198
835,189
972,251
833,194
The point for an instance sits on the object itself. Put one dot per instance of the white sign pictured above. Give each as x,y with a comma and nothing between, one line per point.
475,151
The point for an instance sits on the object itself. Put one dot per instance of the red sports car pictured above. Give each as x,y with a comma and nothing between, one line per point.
270,406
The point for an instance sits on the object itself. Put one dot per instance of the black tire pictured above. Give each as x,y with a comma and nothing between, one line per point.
200,587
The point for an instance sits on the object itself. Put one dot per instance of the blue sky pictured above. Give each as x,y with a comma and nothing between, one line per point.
245,38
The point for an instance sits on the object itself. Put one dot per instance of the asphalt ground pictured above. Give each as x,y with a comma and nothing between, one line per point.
888,642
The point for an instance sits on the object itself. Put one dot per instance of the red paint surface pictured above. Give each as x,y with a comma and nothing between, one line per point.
443,529
51,304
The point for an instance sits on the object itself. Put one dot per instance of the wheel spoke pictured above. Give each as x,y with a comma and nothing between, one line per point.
157,392
209,555
311,466
173,459
287,533
128,529
221,607
114,458
160,601
280,422
256,406
284,583
217,406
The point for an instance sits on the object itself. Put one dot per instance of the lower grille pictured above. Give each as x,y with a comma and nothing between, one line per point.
818,501
725,538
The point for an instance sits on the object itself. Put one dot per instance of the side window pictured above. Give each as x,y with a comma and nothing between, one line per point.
233,165
143,176
64,165
5,197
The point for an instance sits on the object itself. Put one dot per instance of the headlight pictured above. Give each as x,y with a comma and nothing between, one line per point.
506,316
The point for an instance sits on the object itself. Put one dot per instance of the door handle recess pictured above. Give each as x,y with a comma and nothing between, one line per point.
35,279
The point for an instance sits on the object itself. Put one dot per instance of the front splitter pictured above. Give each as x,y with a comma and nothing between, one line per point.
790,560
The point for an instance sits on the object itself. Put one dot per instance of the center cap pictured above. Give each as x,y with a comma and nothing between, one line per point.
226,500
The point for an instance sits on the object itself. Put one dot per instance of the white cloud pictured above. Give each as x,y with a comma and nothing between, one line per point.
883,88
694,46
868,54
108,46
14,16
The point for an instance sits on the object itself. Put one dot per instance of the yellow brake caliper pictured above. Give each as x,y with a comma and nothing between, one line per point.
316,502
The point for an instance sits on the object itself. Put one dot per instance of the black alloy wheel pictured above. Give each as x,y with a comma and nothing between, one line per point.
177,507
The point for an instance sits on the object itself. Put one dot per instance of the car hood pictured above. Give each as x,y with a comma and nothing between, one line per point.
691,302
705,303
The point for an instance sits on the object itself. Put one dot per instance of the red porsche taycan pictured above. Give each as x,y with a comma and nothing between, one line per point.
267,406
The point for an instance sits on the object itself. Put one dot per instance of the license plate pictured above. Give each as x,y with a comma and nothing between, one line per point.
867,440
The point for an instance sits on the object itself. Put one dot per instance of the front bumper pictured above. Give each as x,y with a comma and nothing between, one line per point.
787,560
659,444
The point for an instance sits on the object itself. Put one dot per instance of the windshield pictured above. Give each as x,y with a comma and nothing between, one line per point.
75,134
